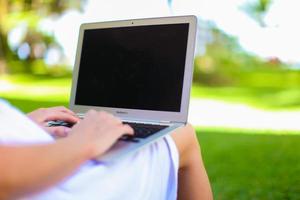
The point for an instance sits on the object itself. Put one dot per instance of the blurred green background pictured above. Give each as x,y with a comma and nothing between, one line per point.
242,162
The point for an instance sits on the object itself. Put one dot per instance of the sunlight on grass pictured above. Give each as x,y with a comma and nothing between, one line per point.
264,98
22,87
227,113
248,131
215,113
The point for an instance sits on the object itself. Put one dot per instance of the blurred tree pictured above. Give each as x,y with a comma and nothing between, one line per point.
226,63
222,61
257,9
3,36
15,12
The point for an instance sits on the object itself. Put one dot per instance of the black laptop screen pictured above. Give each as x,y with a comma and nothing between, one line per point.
139,67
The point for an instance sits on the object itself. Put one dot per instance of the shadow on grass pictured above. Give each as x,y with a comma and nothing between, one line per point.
251,166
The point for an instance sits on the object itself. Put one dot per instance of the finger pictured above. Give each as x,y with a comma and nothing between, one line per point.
126,129
108,118
91,112
116,120
52,115
113,118
58,131
64,109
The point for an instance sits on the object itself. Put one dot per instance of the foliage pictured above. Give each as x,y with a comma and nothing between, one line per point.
257,9
27,15
225,63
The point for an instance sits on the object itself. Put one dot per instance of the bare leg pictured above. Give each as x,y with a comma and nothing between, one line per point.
193,180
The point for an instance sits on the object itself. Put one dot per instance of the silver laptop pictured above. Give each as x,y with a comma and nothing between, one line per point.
140,71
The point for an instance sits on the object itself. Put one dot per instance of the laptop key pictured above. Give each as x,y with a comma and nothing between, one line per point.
145,130
59,123
128,138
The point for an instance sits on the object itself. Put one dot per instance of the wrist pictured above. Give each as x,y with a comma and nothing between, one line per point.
86,150
83,149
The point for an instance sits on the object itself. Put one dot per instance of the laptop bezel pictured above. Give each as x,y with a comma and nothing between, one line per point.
136,114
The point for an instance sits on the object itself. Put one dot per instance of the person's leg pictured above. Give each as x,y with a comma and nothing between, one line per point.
193,182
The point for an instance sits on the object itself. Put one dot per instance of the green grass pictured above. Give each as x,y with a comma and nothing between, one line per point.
31,89
251,166
32,92
27,105
272,98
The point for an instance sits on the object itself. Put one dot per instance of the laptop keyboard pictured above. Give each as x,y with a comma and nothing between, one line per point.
59,123
141,130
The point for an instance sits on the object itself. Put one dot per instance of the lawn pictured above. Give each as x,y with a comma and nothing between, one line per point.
251,166
242,164
40,91
30,92
270,98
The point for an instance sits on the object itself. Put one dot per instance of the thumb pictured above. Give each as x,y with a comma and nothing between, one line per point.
58,131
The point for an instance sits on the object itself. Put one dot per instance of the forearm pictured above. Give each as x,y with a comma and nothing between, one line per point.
28,169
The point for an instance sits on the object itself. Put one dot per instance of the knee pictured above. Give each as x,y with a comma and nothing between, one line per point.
190,134
187,143
185,137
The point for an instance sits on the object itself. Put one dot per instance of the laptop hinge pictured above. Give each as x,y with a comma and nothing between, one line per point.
81,115
165,122
170,122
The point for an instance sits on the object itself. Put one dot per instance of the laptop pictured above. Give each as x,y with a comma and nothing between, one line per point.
139,70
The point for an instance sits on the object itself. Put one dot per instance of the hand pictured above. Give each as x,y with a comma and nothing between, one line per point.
43,115
99,131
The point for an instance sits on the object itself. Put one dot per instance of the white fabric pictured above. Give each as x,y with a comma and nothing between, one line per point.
150,174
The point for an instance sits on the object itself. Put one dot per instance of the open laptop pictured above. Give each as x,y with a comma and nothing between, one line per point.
140,71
